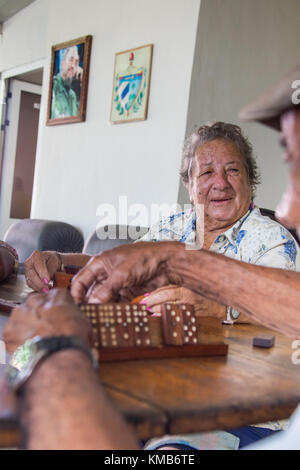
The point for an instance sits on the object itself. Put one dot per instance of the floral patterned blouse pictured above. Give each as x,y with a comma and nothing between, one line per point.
254,238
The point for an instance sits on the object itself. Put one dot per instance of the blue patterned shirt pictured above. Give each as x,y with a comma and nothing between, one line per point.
254,238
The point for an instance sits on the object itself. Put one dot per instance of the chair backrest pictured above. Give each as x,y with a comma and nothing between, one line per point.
271,214
110,236
28,235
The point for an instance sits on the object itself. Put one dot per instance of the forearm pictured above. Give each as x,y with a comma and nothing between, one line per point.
6,263
64,406
269,296
76,259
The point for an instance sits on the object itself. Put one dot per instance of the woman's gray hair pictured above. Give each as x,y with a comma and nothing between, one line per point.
219,130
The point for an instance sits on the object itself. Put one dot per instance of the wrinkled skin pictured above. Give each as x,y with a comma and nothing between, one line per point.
219,181
202,306
288,210
40,268
140,268
143,267
44,315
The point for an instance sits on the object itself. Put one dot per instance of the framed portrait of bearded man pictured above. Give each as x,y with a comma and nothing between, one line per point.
68,85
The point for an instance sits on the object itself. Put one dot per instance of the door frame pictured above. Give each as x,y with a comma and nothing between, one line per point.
5,76
4,88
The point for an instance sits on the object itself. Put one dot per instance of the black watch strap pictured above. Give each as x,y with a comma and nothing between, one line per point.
53,344
40,350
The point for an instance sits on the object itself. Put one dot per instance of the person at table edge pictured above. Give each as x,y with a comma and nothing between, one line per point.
221,174
75,398
8,260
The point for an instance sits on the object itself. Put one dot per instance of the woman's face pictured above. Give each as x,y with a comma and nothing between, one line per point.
219,181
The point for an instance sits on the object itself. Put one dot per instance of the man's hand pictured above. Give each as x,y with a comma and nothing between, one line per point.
79,73
40,268
52,314
125,272
170,293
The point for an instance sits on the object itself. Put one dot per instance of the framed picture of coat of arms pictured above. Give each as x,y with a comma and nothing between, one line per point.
131,85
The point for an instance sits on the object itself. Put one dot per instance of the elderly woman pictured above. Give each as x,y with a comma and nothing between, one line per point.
221,174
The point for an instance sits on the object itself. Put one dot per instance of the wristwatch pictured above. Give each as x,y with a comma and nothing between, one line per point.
231,316
37,350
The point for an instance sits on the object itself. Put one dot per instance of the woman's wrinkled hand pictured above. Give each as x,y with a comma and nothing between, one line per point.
171,293
40,268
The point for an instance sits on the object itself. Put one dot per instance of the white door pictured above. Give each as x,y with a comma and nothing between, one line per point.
8,195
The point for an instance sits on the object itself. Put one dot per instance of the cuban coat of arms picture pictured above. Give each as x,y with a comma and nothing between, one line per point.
131,84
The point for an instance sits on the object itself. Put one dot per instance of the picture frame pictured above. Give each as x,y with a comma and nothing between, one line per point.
131,84
68,83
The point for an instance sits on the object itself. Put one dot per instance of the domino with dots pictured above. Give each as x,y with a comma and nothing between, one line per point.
189,325
142,335
179,324
118,325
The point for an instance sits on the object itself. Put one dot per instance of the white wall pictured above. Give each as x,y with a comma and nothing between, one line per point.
82,165
242,47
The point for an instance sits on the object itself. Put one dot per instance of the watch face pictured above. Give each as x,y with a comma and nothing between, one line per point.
235,314
22,355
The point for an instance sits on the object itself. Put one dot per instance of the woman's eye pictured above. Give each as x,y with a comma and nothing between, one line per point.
233,170
208,172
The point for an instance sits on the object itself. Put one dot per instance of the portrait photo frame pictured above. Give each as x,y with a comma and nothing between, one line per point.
68,83
131,84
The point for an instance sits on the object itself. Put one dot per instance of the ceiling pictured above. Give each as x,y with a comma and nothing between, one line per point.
35,77
9,8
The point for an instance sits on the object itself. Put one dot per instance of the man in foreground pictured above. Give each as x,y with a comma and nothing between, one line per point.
65,381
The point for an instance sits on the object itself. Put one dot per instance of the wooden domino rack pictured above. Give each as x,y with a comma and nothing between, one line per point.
126,331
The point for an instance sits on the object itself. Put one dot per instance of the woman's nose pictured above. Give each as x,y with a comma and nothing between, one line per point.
221,181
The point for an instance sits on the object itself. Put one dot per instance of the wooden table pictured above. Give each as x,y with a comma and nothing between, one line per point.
170,396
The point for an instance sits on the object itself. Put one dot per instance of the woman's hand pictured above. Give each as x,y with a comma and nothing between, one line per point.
171,293
40,268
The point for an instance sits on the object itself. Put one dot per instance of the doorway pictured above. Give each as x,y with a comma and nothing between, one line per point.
21,123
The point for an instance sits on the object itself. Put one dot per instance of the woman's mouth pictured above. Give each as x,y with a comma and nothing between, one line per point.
220,202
